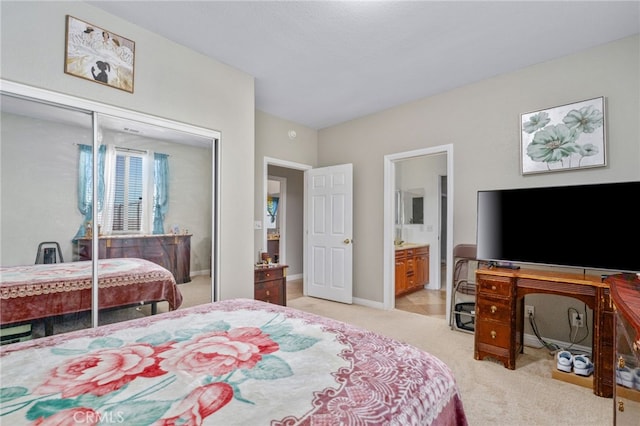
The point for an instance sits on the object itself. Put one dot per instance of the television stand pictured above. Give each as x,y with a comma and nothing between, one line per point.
500,315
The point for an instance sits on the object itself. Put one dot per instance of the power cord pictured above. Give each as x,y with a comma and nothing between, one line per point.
552,347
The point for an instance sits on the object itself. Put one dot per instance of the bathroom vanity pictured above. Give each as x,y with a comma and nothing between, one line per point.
412,267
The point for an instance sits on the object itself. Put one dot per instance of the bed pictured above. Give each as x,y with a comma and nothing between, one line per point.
234,362
43,291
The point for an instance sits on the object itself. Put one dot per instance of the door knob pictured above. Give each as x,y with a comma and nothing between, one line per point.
347,241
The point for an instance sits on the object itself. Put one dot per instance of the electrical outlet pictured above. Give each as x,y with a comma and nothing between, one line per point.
529,311
577,320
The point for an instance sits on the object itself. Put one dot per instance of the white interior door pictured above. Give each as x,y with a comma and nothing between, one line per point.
329,229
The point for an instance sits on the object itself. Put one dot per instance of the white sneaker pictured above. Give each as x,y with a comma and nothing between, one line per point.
624,377
564,361
582,366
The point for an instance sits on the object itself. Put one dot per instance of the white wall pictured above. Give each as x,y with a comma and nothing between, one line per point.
481,120
170,81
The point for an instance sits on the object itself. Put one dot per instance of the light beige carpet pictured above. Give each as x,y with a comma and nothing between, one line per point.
491,394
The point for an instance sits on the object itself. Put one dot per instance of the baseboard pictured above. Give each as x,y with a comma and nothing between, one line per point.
368,303
532,341
294,277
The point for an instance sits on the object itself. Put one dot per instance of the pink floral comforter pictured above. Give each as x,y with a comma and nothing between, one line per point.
235,362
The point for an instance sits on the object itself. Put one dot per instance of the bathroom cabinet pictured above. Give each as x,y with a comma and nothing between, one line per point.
412,268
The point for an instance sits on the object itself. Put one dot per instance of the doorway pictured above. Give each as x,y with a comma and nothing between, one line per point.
334,183
444,224
276,219
291,220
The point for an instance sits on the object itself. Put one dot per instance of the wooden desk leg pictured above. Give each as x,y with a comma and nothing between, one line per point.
603,345
520,325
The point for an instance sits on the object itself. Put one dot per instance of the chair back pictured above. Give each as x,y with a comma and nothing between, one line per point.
49,252
465,264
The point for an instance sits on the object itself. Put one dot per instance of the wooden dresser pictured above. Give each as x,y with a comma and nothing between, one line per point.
173,252
625,296
270,284
412,269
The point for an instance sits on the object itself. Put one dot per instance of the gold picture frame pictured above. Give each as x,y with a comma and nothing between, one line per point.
98,55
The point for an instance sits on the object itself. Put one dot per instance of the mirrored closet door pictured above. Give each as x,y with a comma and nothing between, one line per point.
145,237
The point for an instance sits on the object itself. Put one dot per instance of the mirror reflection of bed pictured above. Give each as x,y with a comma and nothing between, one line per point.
41,199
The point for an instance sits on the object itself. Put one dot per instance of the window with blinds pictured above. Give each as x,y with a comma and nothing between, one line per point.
127,205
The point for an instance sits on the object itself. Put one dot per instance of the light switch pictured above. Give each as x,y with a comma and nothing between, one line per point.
257,224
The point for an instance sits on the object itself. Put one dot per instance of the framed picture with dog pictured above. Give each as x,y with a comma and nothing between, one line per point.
96,54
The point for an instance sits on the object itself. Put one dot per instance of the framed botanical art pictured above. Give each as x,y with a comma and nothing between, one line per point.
565,137
96,54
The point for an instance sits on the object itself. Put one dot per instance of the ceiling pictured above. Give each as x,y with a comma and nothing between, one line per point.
321,63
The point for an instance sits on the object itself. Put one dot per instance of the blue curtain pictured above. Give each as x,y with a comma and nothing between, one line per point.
272,207
85,184
160,191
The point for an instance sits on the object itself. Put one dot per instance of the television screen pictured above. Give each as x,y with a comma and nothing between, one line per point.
583,226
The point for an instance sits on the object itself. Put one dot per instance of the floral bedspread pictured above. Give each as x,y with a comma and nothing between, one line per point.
235,362
39,291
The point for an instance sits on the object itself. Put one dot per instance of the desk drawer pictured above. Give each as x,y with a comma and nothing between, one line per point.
496,286
493,309
268,274
493,333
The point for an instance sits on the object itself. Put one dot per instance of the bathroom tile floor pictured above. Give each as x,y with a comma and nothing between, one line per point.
426,302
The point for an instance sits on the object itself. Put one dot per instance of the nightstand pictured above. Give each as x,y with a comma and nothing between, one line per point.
270,284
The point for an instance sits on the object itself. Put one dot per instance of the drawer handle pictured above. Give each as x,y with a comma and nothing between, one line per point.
493,334
267,274
494,288
494,308
268,294
620,362
621,406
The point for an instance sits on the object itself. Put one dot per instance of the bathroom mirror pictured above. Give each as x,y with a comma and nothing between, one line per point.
413,206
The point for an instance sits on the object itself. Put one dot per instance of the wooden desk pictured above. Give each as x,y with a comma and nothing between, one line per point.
500,315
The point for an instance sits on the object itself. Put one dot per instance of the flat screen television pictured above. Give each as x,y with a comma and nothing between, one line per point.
583,226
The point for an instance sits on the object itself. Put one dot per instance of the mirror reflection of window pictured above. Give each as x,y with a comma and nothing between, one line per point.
127,208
